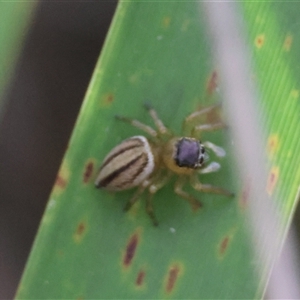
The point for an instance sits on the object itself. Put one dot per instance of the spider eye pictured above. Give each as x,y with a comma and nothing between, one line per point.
190,153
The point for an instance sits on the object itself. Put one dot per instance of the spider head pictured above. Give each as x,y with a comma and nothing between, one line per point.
190,153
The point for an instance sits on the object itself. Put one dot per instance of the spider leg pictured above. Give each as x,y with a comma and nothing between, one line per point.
157,121
134,198
150,210
138,125
212,167
195,204
208,188
158,182
189,126
198,113
218,151
209,127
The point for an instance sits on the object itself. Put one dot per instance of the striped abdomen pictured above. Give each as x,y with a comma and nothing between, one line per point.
127,165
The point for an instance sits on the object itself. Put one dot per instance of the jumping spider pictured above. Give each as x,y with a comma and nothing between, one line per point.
149,164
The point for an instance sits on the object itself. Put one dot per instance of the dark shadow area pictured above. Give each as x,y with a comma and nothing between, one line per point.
46,93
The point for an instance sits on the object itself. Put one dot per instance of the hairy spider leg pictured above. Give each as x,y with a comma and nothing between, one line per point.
199,113
195,130
163,130
153,186
212,167
195,204
135,197
208,188
217,150
158,182
150,210
138,125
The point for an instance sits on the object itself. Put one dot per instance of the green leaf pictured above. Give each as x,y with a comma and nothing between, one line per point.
87,247
14,18
275,47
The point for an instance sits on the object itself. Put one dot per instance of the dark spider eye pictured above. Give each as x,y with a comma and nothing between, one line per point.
187,154
201,160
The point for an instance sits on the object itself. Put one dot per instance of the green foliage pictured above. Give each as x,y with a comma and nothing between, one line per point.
87,247
14,17
274,40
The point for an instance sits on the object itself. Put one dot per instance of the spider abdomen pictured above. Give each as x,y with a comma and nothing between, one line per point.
127,165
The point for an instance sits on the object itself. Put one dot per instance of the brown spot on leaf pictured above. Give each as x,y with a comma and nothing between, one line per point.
259,41
172,277
80,231
224,245
60,182
80,228
88,171
273,145
225,242
108,98
288,42
212,83
62,179
130,250
140,278
166,22
272,180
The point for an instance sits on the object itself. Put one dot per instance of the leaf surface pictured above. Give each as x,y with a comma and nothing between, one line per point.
87,247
